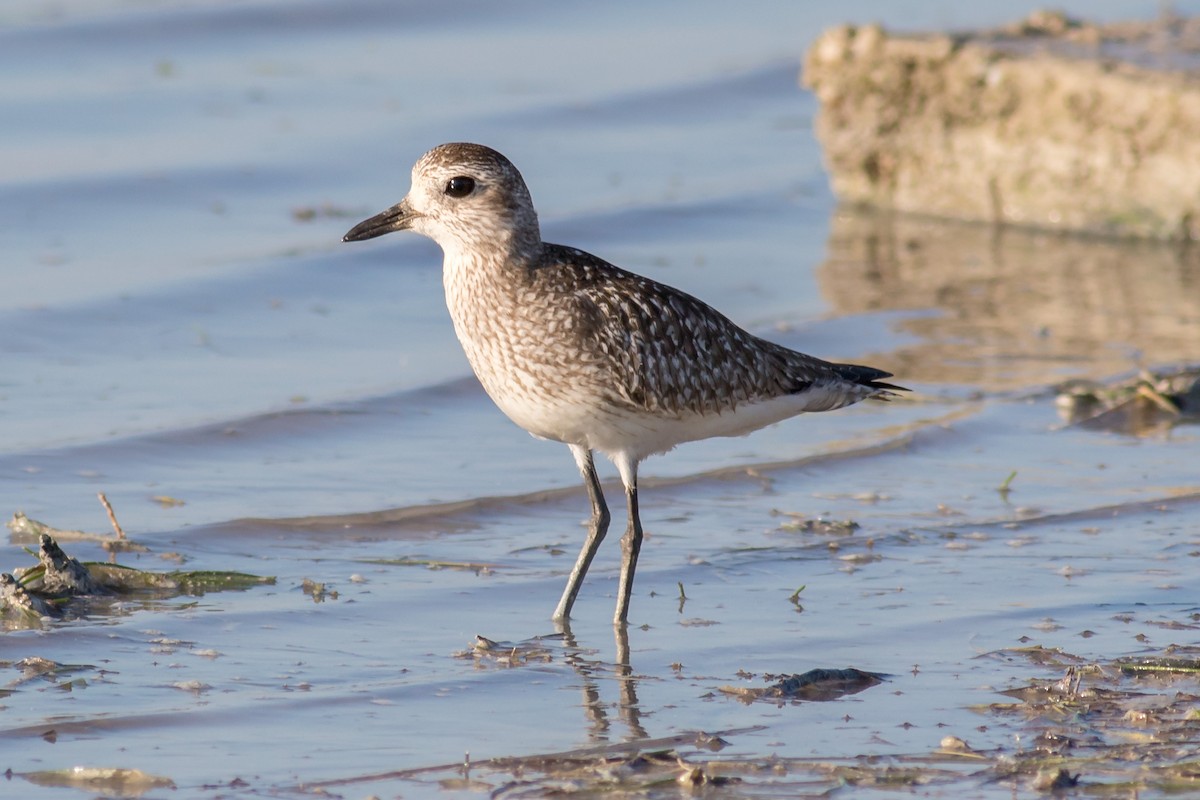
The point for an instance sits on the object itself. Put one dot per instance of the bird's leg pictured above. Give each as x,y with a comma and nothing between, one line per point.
631,543
596,530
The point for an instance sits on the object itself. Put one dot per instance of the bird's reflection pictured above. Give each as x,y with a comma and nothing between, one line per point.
591,672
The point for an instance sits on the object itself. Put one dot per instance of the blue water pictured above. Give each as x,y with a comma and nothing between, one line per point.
179,317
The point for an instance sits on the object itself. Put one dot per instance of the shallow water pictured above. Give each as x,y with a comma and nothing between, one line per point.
181,320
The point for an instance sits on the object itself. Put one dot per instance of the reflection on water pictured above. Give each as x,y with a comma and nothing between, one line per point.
628,708
1014,307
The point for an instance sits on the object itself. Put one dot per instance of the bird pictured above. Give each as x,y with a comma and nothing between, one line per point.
576,350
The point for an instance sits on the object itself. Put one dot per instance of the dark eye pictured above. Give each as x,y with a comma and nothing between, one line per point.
460,186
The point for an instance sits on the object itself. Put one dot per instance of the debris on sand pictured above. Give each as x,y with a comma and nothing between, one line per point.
49,588
814,685
1148,403
25,529
108,781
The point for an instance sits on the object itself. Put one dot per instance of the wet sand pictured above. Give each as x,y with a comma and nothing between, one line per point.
181,322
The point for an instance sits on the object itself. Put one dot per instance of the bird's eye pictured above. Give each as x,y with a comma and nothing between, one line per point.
460,186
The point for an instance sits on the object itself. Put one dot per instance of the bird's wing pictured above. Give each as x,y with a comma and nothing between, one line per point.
664,350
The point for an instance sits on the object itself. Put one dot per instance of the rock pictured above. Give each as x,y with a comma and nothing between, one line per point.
19,606
1051,123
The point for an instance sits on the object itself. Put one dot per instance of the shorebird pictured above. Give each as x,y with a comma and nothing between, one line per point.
576,350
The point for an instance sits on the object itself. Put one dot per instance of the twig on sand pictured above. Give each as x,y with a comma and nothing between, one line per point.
1006,485
111,516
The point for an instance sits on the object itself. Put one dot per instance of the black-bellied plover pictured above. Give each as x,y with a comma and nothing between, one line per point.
579,351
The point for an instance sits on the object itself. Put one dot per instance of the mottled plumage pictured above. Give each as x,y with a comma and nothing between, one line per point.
579,351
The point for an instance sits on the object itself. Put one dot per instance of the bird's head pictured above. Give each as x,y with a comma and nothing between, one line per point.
466,197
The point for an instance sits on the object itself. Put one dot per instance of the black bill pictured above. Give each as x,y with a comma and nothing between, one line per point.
397,218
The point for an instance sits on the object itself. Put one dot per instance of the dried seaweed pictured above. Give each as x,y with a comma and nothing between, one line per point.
110,781
32,594
1145,404
814,685
1099,728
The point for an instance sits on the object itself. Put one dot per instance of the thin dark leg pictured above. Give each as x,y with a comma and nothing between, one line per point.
631,545
596,530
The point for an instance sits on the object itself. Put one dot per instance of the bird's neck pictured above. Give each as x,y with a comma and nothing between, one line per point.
507,258
521,246
480,284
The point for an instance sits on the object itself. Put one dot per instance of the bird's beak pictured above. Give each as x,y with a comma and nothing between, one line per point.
397,218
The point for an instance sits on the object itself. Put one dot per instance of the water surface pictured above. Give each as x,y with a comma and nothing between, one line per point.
180,319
